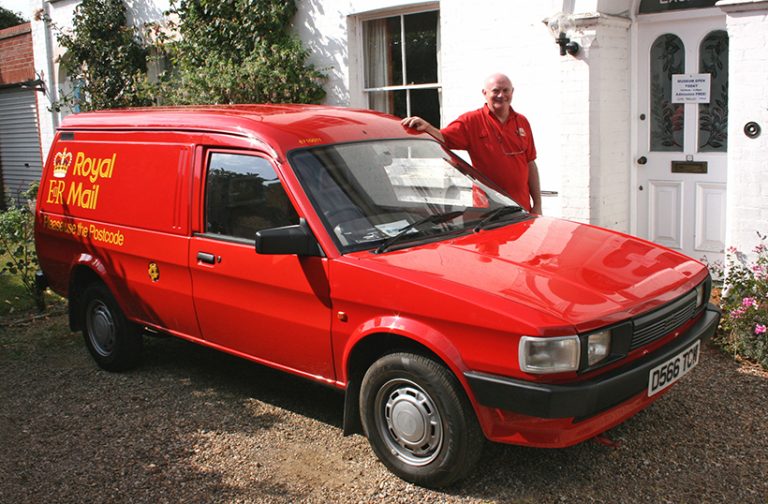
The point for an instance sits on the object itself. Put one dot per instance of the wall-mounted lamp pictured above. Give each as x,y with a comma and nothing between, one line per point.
561,25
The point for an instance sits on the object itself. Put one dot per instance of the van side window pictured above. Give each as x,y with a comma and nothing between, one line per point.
243,195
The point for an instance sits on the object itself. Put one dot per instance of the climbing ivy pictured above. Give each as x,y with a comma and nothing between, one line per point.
218,51
106,58
238,51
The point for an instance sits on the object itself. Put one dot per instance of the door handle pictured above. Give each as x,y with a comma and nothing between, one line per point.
642,160
206,258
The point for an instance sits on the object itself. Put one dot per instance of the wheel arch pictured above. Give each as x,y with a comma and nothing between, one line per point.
373,344
86,270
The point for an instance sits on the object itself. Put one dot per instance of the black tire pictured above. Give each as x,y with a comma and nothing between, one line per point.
114,343
418,420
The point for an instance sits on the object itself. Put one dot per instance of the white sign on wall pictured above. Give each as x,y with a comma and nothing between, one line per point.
690,88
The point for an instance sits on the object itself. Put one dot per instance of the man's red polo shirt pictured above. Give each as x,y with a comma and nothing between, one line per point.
500,151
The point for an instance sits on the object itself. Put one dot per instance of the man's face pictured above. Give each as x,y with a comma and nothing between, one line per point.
498,94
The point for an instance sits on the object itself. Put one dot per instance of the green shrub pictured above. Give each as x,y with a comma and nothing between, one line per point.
213,51
17,245
9,18
744,325
238,51
106,58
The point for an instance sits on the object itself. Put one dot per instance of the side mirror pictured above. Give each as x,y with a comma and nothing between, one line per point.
288,240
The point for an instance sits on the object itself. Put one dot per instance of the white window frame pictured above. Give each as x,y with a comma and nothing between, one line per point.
360,93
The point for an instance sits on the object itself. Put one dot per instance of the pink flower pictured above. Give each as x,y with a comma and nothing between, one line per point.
759,329
748,301
737,313
760,248
732,249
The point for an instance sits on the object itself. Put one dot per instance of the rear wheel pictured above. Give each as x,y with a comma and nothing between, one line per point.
418,420
114,342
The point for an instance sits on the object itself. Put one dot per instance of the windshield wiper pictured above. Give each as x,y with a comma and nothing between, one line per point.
495,214
430,219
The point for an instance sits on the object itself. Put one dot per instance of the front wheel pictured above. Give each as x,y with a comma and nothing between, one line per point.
114,343
418,420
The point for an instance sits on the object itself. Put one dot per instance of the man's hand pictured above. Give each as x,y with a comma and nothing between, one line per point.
419,124
415,122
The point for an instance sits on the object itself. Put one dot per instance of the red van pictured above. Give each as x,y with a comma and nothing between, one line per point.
332,244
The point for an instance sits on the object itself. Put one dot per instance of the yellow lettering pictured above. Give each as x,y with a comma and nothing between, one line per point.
89,171
84,198
77,170
75,193
106,236
55,192
88,200
94,168
104,168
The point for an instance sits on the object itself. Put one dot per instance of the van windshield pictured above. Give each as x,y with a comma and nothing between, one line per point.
396,192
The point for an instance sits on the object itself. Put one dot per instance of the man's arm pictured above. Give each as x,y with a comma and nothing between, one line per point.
534,187
419,124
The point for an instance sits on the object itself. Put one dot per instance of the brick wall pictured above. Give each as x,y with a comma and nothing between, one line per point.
16,58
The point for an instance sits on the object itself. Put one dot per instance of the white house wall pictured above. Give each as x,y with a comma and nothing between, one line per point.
595,133
323,28
747,211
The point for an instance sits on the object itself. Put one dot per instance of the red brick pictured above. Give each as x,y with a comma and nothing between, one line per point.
16,58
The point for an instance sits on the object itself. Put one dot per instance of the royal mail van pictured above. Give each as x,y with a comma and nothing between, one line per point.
334,245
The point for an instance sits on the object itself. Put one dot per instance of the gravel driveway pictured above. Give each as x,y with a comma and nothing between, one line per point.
194,425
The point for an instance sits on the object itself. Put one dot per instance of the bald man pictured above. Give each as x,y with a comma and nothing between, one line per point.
499,141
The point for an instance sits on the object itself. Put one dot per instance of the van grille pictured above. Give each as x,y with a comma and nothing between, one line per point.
650,327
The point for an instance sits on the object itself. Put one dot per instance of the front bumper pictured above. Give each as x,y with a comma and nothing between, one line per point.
587,398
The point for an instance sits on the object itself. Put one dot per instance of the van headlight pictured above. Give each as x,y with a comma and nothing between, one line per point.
598,347
700,289
549,355
562,353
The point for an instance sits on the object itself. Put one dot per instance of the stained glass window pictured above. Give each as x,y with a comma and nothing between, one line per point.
713,116
667,118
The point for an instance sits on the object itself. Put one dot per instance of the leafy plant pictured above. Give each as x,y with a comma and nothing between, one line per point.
17,244
231,51
238,51
744,325
9,18
106,58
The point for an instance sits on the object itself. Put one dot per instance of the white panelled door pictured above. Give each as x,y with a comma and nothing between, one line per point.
681,161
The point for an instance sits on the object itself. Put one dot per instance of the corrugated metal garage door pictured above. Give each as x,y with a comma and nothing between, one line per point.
20,161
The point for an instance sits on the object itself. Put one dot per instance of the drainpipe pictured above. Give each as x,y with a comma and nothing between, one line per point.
53,91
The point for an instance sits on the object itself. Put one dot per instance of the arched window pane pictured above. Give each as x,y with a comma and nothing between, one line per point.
667,118
713,116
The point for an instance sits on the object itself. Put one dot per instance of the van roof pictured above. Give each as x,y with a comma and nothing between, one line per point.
287,126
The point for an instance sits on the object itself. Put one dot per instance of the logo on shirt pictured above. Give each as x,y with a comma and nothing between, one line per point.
520,132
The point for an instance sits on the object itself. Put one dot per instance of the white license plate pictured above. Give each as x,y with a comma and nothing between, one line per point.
664,375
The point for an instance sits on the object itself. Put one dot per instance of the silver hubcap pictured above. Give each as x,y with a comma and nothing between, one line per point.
409,422
101,328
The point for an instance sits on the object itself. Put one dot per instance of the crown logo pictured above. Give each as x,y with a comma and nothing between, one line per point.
61,162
